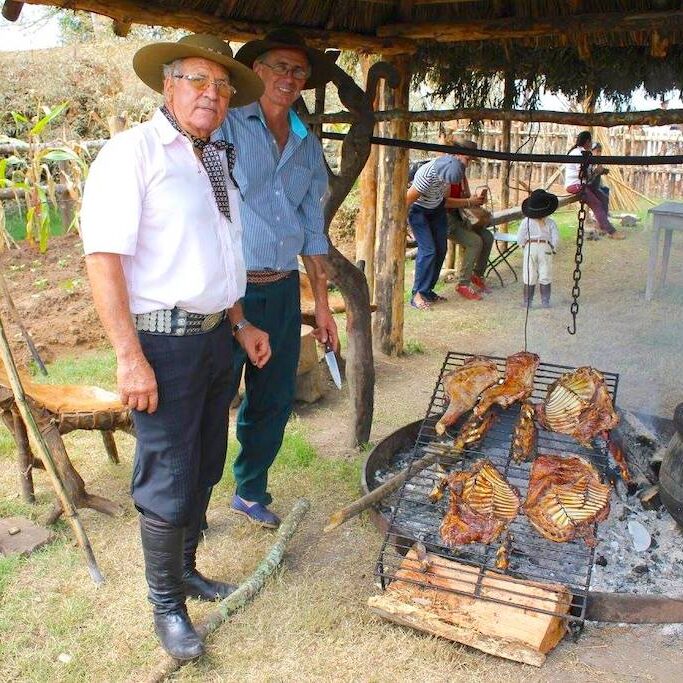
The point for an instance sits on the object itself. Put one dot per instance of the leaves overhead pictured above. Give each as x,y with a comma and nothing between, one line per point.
472,73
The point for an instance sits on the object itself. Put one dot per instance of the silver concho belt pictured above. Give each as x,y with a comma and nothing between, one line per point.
177,322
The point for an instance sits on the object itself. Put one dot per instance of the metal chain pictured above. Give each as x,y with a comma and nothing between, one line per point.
578,257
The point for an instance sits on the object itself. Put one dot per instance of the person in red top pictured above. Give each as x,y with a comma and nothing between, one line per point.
472,236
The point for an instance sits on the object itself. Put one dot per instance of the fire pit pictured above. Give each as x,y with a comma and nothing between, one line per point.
532,557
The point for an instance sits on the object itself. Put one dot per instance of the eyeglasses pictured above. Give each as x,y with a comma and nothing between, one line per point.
202,82
282,69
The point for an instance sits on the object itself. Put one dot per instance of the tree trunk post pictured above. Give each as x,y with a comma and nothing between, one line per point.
367,214
508,96
392,219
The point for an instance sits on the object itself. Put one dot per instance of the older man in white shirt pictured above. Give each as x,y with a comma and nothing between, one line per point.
163,243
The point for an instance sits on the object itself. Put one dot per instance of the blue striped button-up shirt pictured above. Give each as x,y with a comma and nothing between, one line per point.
282,213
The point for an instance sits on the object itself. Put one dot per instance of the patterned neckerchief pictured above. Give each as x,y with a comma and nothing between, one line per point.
211,159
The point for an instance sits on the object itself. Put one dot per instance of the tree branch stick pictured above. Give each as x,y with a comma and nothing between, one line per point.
46,456
245,591
388,487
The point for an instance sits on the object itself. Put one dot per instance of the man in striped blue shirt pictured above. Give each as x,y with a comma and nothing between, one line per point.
282,176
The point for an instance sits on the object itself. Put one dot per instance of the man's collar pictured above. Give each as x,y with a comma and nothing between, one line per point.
295,123
168,134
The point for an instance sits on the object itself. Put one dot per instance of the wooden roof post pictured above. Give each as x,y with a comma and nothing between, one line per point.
367,214
508,95
11,10
392,218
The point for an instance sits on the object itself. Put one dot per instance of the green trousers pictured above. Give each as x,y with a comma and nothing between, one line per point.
269,397
476,242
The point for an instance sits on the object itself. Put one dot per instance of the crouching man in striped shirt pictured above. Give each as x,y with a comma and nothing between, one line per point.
282,176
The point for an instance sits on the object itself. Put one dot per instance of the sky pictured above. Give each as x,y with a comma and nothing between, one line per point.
36,29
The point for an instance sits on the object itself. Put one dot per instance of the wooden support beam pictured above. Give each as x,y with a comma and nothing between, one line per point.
515,28
121,28
11,10
240,31
608,119
508,95
367,213
392,217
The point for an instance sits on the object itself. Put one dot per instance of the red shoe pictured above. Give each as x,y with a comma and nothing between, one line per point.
468,293
479,282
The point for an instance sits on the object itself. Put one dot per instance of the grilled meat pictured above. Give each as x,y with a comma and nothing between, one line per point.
616,450
578,404
524,436
503,552
463,386
482,504
565,498
473,429
518,384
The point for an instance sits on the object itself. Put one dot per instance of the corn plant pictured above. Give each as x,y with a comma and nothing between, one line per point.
32,173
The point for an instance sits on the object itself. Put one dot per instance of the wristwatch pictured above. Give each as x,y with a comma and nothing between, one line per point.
240,325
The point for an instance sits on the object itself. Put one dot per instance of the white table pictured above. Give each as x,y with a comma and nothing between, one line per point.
668,217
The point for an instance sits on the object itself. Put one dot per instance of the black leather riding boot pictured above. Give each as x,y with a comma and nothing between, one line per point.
162,546
545,295
196,585
529,294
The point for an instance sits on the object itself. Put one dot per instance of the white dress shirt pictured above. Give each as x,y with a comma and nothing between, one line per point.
149,199
538,229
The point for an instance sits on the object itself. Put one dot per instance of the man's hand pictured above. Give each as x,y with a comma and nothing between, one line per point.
137,384
256,345
477,200
326,328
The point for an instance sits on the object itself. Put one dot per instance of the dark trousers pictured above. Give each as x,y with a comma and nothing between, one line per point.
181,447
430,229
269,397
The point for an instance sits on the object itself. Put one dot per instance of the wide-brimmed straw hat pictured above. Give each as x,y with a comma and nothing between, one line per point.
149,60
287,39
539,204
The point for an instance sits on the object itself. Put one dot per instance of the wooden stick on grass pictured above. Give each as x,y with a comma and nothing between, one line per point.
245,591
46,456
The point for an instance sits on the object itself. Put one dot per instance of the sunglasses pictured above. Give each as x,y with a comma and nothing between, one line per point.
201,82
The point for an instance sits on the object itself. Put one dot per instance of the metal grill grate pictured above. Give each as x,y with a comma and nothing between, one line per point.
532,557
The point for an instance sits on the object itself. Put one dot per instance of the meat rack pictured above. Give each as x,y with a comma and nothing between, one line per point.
416,518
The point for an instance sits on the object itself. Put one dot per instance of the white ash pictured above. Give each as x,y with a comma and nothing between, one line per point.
620,568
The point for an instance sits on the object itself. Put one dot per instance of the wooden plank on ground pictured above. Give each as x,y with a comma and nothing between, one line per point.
425,600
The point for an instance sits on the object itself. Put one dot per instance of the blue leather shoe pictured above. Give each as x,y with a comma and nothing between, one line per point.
256,513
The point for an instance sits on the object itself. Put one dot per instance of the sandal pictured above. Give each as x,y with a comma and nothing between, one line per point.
437,298
421,305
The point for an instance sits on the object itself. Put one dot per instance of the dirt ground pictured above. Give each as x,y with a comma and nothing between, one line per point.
311,623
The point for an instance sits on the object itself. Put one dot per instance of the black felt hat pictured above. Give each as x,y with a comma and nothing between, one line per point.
539,204
322,64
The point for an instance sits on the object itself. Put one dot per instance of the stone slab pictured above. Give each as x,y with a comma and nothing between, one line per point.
20,536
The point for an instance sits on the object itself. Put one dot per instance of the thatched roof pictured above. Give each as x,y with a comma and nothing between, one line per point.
610,47
404,25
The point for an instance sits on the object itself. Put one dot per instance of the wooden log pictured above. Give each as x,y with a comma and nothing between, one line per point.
485,610
367,214
654,117
110,446
571,27
245,592
388,487
51,464
391,223
17,429
508,97
11,10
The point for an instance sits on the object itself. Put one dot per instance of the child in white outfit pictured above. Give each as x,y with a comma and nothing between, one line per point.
539,237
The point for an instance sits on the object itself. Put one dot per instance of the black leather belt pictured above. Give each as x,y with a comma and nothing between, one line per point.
177,322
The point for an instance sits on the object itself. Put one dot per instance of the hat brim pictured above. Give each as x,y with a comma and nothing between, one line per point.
149,60
548,207
321,65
